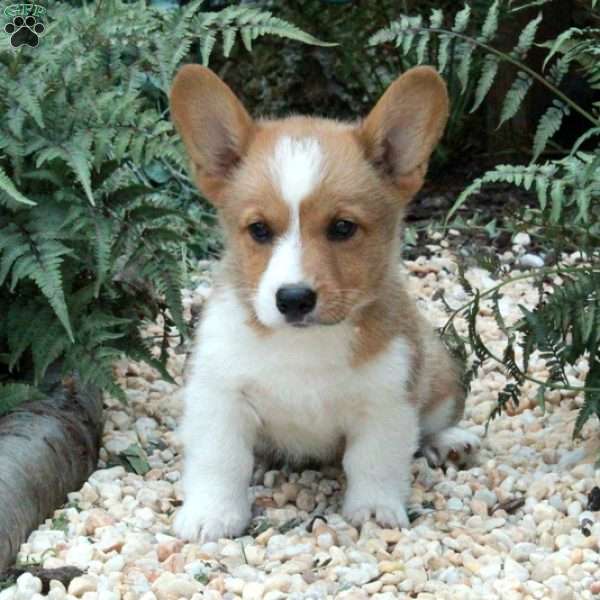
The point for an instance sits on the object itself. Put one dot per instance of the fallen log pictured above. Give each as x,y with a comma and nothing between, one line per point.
48,448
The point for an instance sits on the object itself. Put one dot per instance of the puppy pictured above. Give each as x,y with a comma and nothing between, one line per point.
310,342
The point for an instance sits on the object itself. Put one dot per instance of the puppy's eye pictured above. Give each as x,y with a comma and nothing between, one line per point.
260,232
341,230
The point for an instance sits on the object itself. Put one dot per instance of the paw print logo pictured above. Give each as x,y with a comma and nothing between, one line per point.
24,31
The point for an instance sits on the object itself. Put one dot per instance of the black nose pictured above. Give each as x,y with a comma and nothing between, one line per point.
295,301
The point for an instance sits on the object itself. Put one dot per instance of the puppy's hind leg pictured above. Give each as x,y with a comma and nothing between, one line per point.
442,441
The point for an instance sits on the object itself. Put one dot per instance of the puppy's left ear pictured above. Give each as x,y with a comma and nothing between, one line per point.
403,128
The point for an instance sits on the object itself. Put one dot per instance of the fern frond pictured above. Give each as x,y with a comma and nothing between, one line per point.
527,37
558,43
515,96
490,24
31,105
77,155
8,187
248,22
461,20
486,79
103,245
548,125
41,263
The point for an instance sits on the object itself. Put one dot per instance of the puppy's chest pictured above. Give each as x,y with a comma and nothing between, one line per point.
298,386
301,401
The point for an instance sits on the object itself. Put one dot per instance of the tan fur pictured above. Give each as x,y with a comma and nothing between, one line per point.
373,169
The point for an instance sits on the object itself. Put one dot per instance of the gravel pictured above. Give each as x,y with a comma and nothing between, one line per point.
514,525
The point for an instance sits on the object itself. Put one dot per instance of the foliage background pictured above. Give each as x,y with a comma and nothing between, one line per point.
116,222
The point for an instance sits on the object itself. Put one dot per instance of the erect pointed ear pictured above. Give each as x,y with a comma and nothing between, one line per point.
403,128
214,125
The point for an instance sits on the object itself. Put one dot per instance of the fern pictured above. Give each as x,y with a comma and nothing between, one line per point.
548,125
515,96
571,184
9,189
250,23
475,61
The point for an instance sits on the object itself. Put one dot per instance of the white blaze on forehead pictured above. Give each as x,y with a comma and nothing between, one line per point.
296,169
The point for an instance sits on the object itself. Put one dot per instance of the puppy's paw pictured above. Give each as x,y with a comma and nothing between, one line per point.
194,524
387,514
454,445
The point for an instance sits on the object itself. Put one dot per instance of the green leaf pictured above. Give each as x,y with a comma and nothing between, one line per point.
527,37
422,47
486,79
79,160
443,51
491,228
541,397
134,460
228,41
556,45
436,19
208,43
461,20
490,25
515,96
548,125
42,264
557,198
464,67
410,236
7,186
103,244
10,255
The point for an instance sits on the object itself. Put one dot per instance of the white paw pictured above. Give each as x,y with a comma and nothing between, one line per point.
454,445
194,524
389,515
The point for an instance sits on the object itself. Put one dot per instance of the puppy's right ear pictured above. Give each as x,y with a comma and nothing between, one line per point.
213,124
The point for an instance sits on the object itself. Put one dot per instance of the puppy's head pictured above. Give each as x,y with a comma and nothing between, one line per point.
310,206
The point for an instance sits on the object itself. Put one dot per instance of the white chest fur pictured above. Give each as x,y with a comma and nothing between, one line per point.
296,386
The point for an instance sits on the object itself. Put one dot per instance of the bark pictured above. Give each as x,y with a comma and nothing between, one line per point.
48,448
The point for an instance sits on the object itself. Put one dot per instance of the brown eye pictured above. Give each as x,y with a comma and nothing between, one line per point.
341,230
260,232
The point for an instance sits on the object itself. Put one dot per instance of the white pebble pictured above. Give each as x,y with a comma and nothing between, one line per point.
27,586
522,239
513,569
81,585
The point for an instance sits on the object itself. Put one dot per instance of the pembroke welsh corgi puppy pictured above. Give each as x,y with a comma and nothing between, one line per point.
310,343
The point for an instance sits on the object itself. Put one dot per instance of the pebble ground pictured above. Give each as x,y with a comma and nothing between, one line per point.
514,525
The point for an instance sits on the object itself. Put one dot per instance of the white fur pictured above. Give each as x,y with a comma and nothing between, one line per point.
439,418
284,268
296,168
296,388
461,442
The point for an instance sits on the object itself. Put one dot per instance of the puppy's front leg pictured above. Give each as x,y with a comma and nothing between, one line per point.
379,451
218,438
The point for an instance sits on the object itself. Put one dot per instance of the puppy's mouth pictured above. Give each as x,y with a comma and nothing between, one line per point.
315,321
